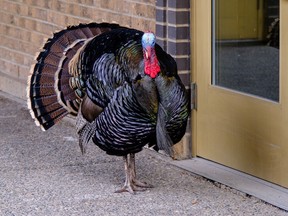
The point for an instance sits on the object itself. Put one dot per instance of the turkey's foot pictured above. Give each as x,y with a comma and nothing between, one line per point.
140,184
134,185
131,183
131,188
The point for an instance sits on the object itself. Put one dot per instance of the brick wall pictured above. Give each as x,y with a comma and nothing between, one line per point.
25,24
173,34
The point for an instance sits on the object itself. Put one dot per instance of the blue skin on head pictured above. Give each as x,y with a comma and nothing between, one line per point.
148,43
148,40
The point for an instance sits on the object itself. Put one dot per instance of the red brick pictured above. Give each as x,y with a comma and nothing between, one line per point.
37,13
7,18
9,68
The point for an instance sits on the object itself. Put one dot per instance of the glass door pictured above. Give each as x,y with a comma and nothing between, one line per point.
245,46
239,52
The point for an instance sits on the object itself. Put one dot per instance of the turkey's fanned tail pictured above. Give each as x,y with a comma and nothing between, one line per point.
52,91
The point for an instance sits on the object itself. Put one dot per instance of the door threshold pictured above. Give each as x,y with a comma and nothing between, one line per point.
266,191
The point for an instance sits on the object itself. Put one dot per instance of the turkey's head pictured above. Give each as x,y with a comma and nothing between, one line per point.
151,63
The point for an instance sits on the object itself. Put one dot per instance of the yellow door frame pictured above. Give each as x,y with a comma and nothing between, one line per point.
241,131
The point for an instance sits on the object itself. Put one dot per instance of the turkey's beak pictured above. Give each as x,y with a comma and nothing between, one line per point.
147,52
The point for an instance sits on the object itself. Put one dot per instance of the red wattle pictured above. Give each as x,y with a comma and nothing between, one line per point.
152,67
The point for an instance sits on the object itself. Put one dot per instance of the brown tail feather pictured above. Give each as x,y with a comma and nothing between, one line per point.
50,97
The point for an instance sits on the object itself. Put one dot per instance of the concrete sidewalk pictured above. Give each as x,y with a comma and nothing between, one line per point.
44,173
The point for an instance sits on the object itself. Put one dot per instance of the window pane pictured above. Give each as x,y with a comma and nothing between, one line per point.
246,46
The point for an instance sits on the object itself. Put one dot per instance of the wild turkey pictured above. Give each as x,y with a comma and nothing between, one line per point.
123,88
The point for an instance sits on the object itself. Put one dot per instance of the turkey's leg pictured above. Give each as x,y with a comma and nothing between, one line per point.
133,173
131,183
128,184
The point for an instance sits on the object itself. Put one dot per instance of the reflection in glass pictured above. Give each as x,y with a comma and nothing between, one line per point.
246,46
